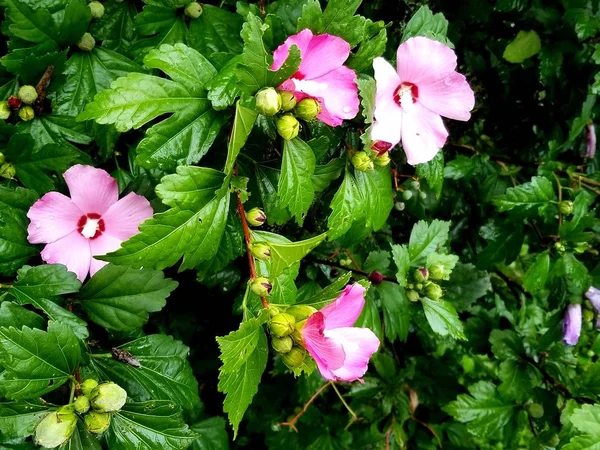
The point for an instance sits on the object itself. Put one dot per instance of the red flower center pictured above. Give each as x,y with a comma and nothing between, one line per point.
406,92
91,226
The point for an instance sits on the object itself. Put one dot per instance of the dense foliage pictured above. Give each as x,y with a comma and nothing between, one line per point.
472,261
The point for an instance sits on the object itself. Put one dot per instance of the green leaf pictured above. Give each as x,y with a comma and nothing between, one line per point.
267,179
212,434
402,261
116,28
426,238
222,89
443,318
327,294
120,298
216,30
524,46
15,250
433,172
460,167
163,374
574,274
369,318
295,187
396,313
466,285
81,439
153,425
244,354
376,188
345,204
528,196
243,123
518,379
284,255
506,344
36,361
55,129
373,45
425,23
537,274
18,419
325,174
190,186
14,315
447,261
162,25
587,420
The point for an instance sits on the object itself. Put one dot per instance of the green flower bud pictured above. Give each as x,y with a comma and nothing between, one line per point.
301,312
288,100
82,404
307,109
5,110
97,422
193,10
26,113
565,207
421,274
415,185
535,410
88,386
436,271
256,217
297,334
434,291
294,358
559,246
399,206
87,42
282,345
97,9
361,161
413,296
383,160
282,325
261,286
7,170
407,195
423,195
553,441
28,94
590,353
260,251
268,101
56,428
288,127
419,287
588,315
108,397
346,262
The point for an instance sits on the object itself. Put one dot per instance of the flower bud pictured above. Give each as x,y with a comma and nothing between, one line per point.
82,404
28,94
297,334
294,358
26,113
288,127
407,195
261,286
97,422
97,9
4,110
301,312
14,102
535,410
413,296
560,247
108,397
56,428
87,42
421,274
399,206
268,101
256,217
588,315
565,207
282,325
376,277
2,162
434,291
88,386
361,161
193,10
7,170
423,195
288,100
415,185
260,251
307,109
590,353
383,159
282,345
436,271
381,147
572,324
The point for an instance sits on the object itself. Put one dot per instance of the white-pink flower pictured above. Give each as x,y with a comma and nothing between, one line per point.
321,75
92,222
341,351
411,100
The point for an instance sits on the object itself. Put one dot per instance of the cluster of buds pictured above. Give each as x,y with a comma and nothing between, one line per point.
286,333
365,160
21,102
423,284
96,405
270,102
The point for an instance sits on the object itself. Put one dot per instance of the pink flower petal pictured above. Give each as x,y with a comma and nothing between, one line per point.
123,217
328,354
103,244
92,190
388,114
345,309
450,97
423,134
424,61
359,345
73,251
52,217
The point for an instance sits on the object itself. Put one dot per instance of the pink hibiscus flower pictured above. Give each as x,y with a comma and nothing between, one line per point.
410,101
92,222
341,351
322,75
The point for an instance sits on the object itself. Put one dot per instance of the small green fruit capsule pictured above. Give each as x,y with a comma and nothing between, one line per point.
87,42
415,185
535,410
422,195
82,404
282,345
436,271
419,287
301,312
97,9
288,127
588,315
288,100
5,110
434,291
260,251
28,94
294,358
307,109
108,397
361,161
88,386
26,113
193,10
421,274
565,207
560,247
8,171
383,160
590,353
55,429
97,422
261,286
256,217
268,101
413,296
407,195
282,325
400,206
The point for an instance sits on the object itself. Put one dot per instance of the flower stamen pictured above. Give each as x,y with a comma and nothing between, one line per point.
91,226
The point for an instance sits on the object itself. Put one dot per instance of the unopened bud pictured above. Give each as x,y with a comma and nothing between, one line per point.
590,353
434,291
256,217
193,10
14,102
282,345
383,159
588,315
307,109
381,147
297,334
288,100
535,410
7,170
423,195
288,127
294,358
260,251
88,386
421,274
282,325
361,161
436,271
56,428
5,110
82,404
301,312
559,246
415,185
87,42
28,94
268,101
413,296
376,277
26,113
108,397
261,286
97,422
565,207
97,9
407,195
400,206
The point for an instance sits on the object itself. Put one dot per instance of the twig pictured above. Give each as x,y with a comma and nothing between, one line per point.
292,423
356,271
41,89
431,430
388,434
352,413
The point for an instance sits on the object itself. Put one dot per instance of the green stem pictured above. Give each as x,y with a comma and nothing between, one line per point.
245,302
100,355
354,416
72,394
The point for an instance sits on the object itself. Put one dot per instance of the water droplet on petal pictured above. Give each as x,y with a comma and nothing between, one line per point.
38,225
346,109
448,82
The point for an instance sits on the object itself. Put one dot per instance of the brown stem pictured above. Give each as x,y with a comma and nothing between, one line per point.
431,430
261,6
41,89
292,423
388,435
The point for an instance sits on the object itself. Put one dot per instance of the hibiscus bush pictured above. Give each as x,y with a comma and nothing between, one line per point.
299,224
